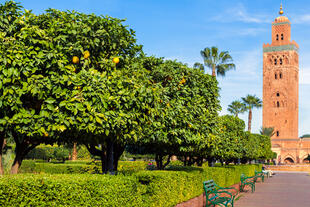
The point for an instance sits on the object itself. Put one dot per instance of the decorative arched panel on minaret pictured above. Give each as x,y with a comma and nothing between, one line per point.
280,81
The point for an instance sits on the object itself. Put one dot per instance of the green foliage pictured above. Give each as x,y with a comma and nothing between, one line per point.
30,166
199,66
230,135
187,114
129,167
79,167
218,62
7,160
250,102
256,146
236,108
83,153
94,98
305,136
69,190
47,152
165,106
267,131
145,188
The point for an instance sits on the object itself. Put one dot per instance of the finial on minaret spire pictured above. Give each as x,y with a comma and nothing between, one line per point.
281,11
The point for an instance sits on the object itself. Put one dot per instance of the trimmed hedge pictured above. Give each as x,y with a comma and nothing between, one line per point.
79,167
144,188
30,166
69,190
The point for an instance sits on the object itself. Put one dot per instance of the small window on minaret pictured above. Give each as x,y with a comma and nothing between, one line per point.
280,75
278,94
278,133
275,76
280,61
282,37
275,61
277,37
278,104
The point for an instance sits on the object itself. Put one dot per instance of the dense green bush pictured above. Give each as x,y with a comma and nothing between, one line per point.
143,188
129,167
69,190
73,167
29,166
46,152
168,188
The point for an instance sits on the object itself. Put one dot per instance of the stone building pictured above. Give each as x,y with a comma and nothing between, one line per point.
280,93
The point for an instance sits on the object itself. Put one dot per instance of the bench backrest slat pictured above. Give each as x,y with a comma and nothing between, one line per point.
209,186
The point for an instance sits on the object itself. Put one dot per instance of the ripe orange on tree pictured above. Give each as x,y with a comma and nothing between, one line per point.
75,59
115,60
182,81
86,54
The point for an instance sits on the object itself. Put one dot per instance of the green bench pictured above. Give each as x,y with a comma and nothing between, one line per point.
216,195
247,181
260,175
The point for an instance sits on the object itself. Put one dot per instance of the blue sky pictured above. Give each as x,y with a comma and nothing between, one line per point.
181,29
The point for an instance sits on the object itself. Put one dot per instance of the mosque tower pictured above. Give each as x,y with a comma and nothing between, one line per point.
280,81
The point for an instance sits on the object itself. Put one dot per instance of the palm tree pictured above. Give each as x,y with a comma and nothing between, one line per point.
236,107
251,101
220,62
199,66
268,131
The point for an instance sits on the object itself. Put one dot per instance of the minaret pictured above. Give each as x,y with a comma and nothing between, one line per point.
280,81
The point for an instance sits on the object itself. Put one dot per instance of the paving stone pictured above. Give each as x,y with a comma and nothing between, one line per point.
285,189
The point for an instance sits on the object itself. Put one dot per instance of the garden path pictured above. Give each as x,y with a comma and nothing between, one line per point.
285,189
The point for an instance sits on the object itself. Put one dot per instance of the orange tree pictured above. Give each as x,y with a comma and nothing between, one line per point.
230,134
186,119
255,147
59,82
234,143
7,26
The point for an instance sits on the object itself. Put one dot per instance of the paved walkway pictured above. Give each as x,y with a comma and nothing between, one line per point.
285,189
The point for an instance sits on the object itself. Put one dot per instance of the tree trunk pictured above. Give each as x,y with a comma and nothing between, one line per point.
199,161
110,157
16,164
110,153
21,150
250,120
104,159
159,161
213,71
210,161
118,151
184,160
74,152
168,161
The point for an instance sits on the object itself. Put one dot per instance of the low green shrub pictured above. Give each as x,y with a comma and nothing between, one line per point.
142,188
130,167
30,166
70,190
82,167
